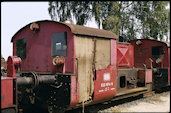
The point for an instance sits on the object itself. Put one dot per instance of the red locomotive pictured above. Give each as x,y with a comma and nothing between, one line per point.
58,66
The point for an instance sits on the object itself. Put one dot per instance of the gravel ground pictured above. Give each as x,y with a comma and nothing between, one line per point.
157,103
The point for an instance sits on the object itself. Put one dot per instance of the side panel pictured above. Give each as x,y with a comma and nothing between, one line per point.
84,53
105,84
113,53
6,93
148,77
125,55
74,82
74,91
145,76
102,53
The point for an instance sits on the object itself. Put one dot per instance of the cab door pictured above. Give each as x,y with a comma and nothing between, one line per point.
105,69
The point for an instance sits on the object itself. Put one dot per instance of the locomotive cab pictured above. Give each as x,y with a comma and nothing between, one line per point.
64,65
153,55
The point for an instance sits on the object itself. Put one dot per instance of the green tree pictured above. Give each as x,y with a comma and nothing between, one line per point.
154,18
113,20
126,18
80,11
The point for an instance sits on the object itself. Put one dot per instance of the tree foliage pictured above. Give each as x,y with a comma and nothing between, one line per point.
80,11
129,19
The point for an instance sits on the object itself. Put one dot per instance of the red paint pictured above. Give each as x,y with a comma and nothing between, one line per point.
38,59
105,89
74,82
105,83
149,63
141,76
12,62
38,48
144,51
148,77
6,92
125,55
74,92
8,84
145,76
113,53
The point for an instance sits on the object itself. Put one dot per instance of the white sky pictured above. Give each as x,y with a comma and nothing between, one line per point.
15,15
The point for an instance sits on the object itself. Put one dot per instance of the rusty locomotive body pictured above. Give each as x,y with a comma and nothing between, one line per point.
58,66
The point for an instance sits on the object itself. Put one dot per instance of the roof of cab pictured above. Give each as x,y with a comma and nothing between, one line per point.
81,30
167,43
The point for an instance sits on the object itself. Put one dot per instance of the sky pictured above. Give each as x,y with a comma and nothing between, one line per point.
15,15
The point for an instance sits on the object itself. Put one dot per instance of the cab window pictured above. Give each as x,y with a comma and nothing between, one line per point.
157,52
59,44
21,48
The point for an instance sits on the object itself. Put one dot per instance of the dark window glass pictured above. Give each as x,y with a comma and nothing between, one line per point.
157,52
59,44
21,48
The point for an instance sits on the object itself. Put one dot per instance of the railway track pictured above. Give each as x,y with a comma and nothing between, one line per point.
103,106
116,106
